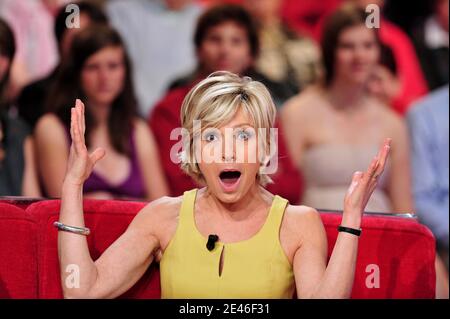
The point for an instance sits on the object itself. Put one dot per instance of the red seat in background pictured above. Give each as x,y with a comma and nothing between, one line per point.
18,251
107,221
395,257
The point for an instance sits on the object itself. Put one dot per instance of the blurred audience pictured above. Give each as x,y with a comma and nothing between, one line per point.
335,129
225,39
32,23
384,83
32,98
429,128
428,123
158,35
98,72
431,41
18,175
284,56
306,16
412,81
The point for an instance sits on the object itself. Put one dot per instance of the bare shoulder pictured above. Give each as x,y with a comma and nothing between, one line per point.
303,101
141,128
143,135
49,122
161,210
50,131
159,218
393,122
302,222
305,216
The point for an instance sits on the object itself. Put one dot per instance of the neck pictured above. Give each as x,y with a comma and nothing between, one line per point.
100,113
346,96
271,21
240,210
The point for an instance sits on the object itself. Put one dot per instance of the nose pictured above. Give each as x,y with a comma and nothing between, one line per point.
228,150
103,74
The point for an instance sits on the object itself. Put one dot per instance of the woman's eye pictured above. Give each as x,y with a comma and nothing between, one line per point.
210,137
243,135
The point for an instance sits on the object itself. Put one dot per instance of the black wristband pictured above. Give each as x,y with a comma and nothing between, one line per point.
352,231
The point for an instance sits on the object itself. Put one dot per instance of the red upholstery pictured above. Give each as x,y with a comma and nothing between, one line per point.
402,249
107,221
21,202
18,264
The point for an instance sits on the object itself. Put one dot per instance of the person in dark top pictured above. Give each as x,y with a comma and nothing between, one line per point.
31,100
432,45
17,173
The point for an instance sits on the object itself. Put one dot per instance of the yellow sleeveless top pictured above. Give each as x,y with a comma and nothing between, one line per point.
253,268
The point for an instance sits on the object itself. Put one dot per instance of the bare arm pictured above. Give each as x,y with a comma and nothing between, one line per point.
51,152
124,262
149,162
313,279
30,183
399,184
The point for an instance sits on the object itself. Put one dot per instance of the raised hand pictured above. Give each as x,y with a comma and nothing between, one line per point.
364,183
81,163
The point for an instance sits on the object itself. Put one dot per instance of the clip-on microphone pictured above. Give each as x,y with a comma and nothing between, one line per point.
212,239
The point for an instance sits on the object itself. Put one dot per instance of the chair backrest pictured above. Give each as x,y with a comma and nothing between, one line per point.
395,257
18,250
107,221
19,201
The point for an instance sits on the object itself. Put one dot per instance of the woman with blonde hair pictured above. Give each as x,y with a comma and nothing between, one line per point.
231,238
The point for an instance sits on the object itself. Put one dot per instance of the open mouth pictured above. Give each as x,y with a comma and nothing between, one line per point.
229,179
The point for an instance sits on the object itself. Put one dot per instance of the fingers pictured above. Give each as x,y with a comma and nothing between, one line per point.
382,157
74,129
79,106
77,138
97,155
83,117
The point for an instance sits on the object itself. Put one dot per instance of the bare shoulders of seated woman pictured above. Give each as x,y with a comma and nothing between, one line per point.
308,102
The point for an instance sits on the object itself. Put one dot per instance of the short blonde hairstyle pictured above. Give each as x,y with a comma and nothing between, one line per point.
215,101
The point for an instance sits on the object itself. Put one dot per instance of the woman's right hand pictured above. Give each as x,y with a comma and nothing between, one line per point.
81,163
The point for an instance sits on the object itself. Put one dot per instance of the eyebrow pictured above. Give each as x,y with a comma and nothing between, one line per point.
242,124
234,126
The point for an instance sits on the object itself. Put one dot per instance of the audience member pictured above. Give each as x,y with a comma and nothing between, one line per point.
333,129
429,129
17,169
32,23
32,98
158,36
284,56
431,41
412,81
98,72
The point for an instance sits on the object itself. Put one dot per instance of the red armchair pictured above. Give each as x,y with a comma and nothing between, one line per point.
395,260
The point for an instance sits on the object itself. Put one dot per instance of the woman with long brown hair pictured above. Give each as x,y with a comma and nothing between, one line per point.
334,128
98,71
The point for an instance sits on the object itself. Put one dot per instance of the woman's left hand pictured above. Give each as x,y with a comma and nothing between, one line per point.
362,186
